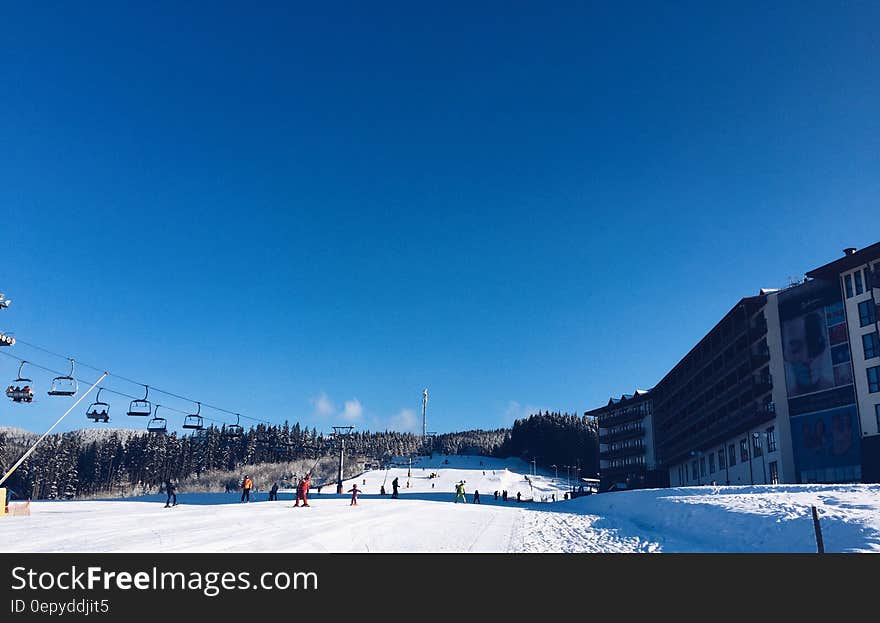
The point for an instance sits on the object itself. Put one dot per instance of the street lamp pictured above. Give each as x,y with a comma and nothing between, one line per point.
555,471
534,467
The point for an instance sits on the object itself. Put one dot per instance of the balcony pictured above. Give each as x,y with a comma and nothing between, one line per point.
620,453
720,430
638,431
762,385
620,418
760,359
758,329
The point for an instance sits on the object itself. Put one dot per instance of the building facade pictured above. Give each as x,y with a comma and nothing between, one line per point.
626,442
714,413
784,389
857,276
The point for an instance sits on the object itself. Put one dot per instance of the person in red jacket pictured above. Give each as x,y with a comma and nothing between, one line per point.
354,495
302,491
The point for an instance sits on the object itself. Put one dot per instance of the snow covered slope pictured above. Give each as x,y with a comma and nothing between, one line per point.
425,518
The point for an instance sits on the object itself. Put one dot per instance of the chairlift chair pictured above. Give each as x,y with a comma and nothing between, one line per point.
141,408
99,411
157,425
235,430
194,421
64,385
20,389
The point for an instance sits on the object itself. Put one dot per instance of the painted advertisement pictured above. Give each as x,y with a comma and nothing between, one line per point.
826,445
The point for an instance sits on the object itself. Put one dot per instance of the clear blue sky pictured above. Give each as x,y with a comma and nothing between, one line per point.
280,209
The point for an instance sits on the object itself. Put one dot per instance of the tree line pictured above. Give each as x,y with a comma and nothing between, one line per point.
69,465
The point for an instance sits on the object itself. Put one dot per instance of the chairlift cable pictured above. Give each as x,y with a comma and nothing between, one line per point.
128,380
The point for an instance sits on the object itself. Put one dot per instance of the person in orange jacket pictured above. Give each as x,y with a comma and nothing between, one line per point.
246,485
302,491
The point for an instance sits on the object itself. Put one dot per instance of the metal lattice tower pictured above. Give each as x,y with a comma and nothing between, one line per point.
424,413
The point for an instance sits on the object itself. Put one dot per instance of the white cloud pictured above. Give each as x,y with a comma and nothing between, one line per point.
353,410
405,422
324,407
516,411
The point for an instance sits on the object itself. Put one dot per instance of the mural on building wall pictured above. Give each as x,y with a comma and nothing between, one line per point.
815,347
826,444
818,375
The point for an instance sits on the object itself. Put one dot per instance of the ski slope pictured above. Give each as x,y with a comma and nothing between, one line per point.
425,518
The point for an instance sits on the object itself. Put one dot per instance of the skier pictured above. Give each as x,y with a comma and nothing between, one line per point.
246,485
394,486
382,490
476,497
496,495
354,494
273,492
302,491
518,496
459,492
504,495
171,490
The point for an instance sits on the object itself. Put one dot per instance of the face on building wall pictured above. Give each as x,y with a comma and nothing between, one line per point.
808,362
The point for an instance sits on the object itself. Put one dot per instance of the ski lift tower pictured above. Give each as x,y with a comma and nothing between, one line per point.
425,413
340,433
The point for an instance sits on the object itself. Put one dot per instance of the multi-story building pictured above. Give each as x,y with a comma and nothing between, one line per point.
626,442
857,275
714,414
784,389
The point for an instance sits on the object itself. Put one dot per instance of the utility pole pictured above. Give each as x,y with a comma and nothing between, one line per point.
425,413
340,433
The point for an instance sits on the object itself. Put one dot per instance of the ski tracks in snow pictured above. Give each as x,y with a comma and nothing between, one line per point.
542,531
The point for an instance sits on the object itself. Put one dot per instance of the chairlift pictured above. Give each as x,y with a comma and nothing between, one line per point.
194,421
20,389
141,408
235,430
157,425
99,411
64,385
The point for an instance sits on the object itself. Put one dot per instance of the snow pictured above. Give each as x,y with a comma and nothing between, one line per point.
425,518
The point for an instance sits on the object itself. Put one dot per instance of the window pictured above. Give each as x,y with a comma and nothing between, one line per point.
877,415
874,380
702,466
731,455
859,286
871,344
866,313
774,473
694,469
771,439
744,450
712,463
847,282
756,445
721,459
867,279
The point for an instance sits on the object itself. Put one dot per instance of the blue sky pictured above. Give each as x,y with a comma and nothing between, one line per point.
312,214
